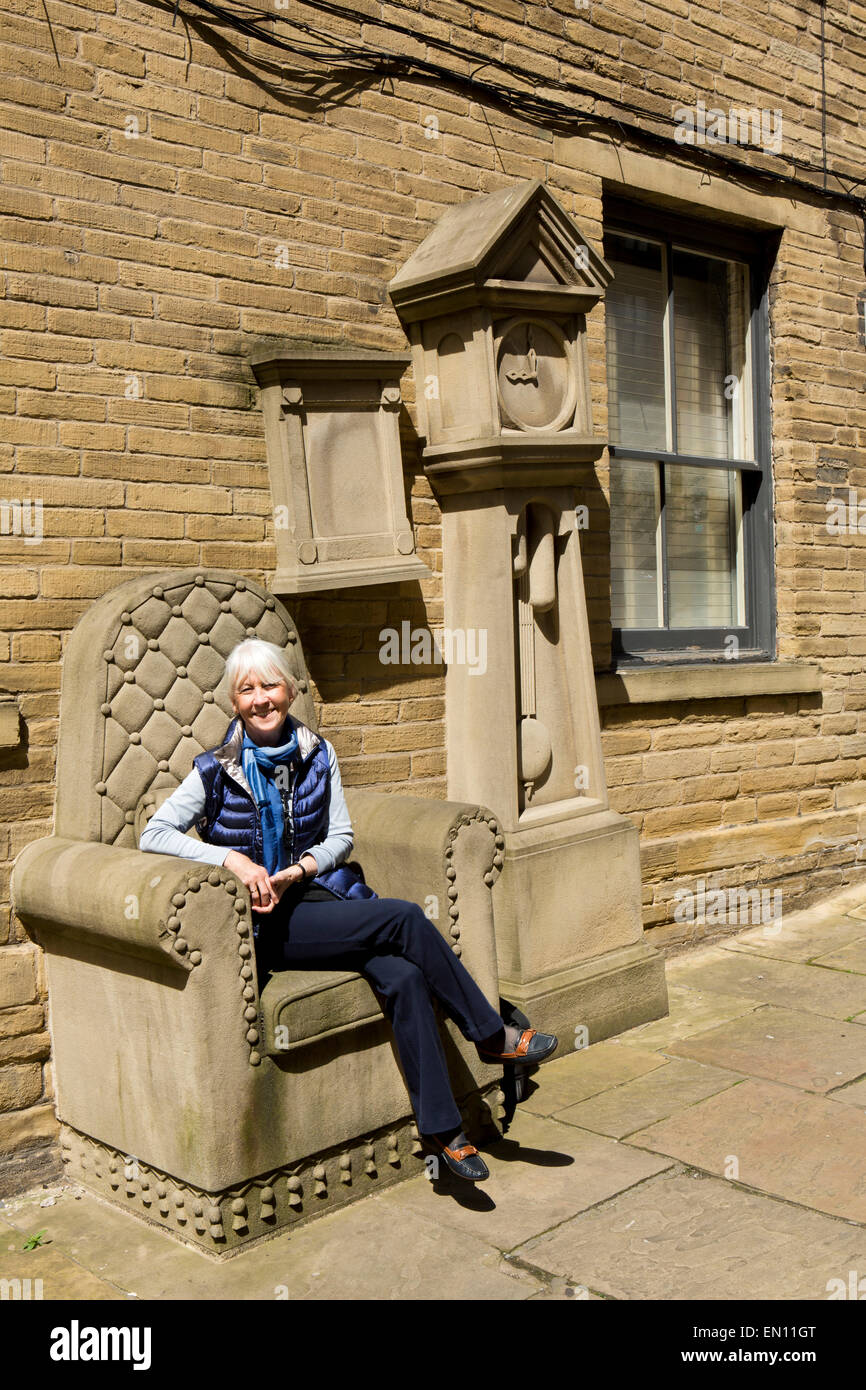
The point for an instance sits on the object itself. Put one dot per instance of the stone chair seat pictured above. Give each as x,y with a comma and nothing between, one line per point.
313,1004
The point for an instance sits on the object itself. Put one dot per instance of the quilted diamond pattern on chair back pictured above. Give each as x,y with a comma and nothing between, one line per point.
144,690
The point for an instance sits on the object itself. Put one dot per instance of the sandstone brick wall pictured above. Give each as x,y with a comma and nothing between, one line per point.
150,172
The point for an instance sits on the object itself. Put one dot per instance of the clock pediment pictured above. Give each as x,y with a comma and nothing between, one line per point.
514,246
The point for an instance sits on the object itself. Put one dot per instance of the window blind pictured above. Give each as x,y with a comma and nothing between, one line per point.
635,307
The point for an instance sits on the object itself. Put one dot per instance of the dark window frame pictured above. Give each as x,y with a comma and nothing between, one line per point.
631,647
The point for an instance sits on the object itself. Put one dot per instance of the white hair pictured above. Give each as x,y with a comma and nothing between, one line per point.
255,657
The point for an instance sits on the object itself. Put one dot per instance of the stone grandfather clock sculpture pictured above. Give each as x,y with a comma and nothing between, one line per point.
495,301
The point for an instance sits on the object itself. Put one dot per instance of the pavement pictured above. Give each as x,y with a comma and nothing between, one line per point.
714,1154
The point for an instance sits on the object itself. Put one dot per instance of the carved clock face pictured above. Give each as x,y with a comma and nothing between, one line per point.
534,375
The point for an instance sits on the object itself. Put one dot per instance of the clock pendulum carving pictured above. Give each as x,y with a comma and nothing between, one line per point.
535,572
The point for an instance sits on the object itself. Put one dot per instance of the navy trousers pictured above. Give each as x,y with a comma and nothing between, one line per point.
405,959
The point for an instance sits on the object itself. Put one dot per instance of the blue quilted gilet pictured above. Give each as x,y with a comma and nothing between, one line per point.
231,818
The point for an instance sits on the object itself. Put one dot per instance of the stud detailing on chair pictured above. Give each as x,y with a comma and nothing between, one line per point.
480,817
221,1223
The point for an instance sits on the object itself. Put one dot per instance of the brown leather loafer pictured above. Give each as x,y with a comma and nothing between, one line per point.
531,1047
466,1161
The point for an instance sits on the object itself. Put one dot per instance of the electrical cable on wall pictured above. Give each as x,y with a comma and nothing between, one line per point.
530,105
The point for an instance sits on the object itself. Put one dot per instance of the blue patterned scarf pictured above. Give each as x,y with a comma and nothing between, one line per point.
260,766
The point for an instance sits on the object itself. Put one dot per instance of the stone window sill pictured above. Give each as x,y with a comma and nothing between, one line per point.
710,681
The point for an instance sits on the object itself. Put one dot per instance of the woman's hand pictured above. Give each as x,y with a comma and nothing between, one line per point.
306,867
285,878
263,896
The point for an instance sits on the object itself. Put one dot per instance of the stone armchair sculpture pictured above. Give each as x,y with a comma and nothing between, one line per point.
188,1093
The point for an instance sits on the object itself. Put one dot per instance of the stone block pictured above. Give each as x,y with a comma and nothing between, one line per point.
20,1085
17,975
24,1048
10,724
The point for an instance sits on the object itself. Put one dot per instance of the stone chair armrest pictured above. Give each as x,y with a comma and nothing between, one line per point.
399,837
124,900
441,854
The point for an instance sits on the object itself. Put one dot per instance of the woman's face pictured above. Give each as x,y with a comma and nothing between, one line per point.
262,704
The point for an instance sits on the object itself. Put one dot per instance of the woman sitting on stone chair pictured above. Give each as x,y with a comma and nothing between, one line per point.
269,806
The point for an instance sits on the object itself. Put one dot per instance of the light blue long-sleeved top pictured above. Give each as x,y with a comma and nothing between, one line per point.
164,833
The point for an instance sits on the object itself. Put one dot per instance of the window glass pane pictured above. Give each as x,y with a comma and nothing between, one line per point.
710,326
634,514
635,309
701,533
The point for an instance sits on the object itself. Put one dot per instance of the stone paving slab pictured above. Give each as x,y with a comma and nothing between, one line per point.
585,1072
808,1149
800,940
854,1094
362,1252
851,957
841,904
691,1011
541,1173
786,983
565,1290
648,1098
134,1255
684,1236
60,1276
799,1049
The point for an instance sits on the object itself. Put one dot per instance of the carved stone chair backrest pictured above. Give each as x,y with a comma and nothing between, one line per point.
144,691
